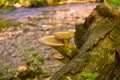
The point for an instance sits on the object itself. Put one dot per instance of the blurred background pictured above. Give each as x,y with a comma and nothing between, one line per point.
39,3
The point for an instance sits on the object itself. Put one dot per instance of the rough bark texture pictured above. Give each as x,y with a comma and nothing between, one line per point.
98,42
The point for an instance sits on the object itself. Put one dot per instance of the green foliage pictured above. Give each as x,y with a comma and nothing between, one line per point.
34,64
90,76
32,70
114,4
5,24
7,3
7,75
33,3
2,2
14,1
10,3
37,3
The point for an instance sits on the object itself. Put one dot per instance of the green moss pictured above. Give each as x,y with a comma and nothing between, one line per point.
5,24
102,54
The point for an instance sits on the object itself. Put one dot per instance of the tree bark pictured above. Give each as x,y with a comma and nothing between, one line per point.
98,42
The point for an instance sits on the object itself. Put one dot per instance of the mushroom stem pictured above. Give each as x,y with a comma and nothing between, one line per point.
66,43
65,37
69,48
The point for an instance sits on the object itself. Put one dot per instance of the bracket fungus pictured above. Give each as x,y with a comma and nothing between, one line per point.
59,57
53,42
61,42
65,36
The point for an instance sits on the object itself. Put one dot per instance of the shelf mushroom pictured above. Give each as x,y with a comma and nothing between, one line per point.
53,42
59,57
61,42
65,36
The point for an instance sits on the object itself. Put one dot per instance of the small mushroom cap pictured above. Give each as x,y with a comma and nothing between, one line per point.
51,41
64,35
56,55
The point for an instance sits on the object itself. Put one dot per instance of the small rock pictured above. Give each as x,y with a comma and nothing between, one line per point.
47,32
30,33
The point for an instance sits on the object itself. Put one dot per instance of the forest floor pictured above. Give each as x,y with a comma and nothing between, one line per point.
35,23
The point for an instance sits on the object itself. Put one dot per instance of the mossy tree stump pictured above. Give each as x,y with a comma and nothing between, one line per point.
98,41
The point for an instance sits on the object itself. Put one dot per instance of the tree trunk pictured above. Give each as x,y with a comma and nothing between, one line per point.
98,42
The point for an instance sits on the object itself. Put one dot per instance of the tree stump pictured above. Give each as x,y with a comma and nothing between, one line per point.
98,42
